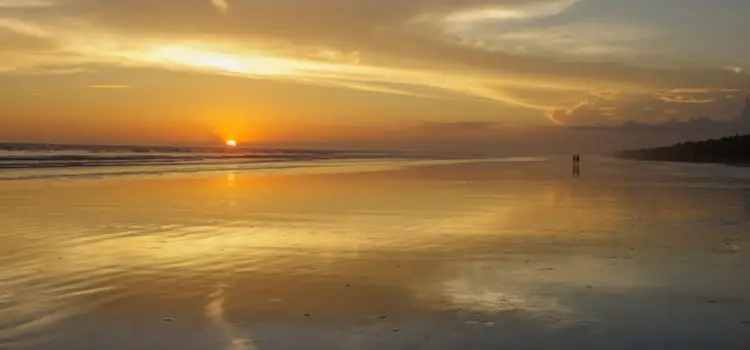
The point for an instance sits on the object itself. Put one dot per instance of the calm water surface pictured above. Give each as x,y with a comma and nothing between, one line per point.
485,255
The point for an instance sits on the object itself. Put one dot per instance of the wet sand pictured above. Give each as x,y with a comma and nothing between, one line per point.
481,255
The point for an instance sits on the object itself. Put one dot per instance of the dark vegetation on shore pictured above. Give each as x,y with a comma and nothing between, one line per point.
731,149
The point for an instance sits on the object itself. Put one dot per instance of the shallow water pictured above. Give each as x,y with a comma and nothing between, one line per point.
514,254
40,161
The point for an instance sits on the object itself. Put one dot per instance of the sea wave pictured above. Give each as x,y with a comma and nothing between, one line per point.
41,161
22,156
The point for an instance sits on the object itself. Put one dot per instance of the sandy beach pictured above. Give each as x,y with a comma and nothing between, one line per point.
495,254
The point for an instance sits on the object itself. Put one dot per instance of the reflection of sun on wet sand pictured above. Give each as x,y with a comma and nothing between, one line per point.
470,255
237,338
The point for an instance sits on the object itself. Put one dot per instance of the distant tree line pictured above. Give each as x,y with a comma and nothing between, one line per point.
731,149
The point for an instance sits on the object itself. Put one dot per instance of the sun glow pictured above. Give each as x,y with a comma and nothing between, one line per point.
248,64
231,143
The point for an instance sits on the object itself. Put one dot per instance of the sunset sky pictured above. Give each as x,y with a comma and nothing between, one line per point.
423,74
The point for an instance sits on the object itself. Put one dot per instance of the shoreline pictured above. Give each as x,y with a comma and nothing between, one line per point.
717,162
259,168
730,150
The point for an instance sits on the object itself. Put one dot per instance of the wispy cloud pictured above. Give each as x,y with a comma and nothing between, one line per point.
109,86
735,69
25,3
556,115
681,99
221,5
471,49
229,58
498,12
581,39
700,90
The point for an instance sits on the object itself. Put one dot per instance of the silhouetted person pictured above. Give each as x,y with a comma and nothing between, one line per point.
576,169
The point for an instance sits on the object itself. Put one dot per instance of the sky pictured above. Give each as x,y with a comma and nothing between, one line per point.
476,75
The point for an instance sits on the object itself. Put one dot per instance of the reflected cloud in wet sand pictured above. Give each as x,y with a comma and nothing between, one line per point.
438,256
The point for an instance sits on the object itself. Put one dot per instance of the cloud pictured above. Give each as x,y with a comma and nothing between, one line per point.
22,28
680,99
699,90
489,136
501,12
679,104
17,41
220,5
108,86
636,134
229,58
457,127
672,131
735,69
581,39
20,4
422,49
557,115
695,95
608,108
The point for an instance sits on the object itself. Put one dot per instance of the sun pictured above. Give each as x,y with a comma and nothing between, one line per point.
231,143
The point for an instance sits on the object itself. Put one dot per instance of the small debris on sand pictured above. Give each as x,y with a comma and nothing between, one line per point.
168,319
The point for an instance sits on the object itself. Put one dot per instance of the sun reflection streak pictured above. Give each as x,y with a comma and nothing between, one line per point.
215,312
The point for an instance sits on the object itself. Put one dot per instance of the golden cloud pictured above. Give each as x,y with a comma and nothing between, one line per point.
387,46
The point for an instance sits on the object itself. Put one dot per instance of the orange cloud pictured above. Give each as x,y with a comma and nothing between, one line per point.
680,99
108,86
